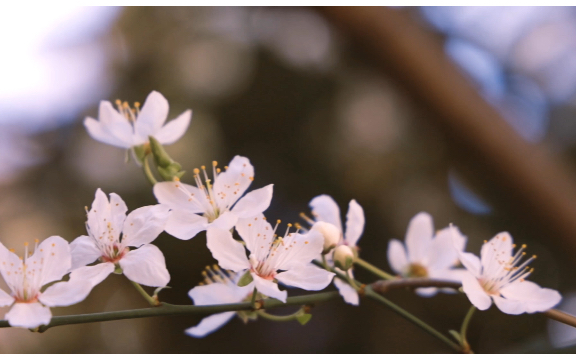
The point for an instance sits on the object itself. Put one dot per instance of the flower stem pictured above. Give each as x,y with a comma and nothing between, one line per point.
373,269
464,328
150,299
405,314
279,318
148,171
253,301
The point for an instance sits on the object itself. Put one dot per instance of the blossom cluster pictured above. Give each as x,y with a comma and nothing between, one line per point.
254,256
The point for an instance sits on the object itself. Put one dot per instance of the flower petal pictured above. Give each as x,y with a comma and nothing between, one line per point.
303,248
144,224
66,293
146,266
354,223
218,293
269,288
152,116
5,299
174,129
102,221
419,238
184,224
532,297
210,324
231,184
178,195
476,294
28,315
324,208
254,203
256,232
116,125
94,274
397,256
445,247
471,263
347,292
225,221
499,246
51,259
9,263
99,132
83,251
307,277
230,253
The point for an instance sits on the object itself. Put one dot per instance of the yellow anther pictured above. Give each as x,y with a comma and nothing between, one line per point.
251,178
208,267
203,167
204,273
534,256
12,250
298,226
201,283
136,104
196,171
126,105
226,167
176,178
218,171
20,257
214,163
216,267
523,254
289,225
36,241
278,221
118,102
485,241
26,243
524,246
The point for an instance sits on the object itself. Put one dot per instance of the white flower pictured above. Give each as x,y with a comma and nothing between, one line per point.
220,204
26,276
269,254
129,127
325,209
426,255
499,276
106,220
219,288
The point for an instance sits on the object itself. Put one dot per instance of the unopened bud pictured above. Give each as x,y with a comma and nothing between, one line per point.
330,233
343,257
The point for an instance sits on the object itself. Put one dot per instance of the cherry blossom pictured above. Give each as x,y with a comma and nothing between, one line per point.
219,287
499,275
426,255
128,127
272,259
106,221
327,220
26,277
221,204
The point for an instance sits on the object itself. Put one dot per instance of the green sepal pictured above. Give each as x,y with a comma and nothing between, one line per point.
117,269
173,170
304,318
245,279
246,316
160,155
139,153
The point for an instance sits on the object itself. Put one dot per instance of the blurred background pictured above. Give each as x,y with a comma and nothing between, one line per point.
309,105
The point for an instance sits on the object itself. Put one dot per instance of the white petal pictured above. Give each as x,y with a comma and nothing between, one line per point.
94,274
254,203
210,324
66,293
303,248
532,297
5,299
230,253
118,210
269,288
218,293
146,266
53,258
445,247
354,223
184,224
470,262
419,238
83,251
101,222
174,129
324,208
508,306
153,115
225,221
144,224
9,263
347,292
476,294
256,232
231,184
115,124
397,256
501,246
178,195
307,277
98,131
28,315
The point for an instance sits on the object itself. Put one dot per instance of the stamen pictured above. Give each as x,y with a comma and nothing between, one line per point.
308,220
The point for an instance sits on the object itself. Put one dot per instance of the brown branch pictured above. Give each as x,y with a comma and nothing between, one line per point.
383,286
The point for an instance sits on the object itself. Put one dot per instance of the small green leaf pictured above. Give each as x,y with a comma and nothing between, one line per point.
304,318
160,155
245,279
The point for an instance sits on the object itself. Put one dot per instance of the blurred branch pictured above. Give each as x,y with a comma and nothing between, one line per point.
524,176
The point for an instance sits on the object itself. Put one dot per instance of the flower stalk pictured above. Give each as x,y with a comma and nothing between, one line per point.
373,269
148,298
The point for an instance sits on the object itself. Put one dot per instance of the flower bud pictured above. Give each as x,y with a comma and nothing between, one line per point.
330,233
343,257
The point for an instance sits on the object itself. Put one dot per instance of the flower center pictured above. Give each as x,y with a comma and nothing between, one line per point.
129,113
114,254
416,270
503,269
